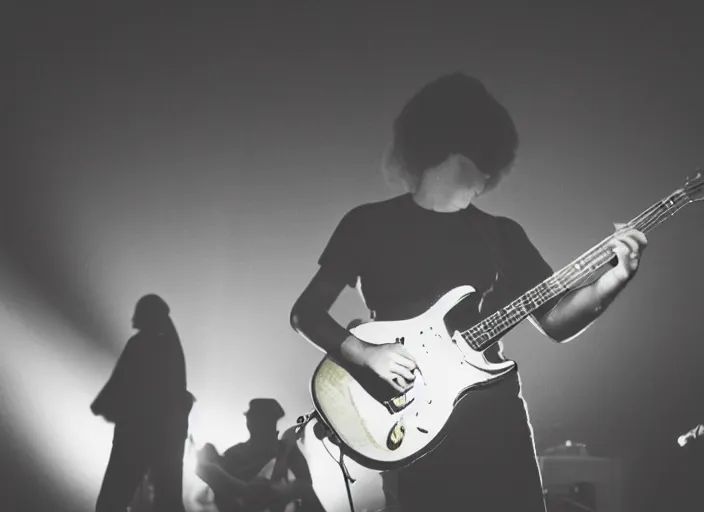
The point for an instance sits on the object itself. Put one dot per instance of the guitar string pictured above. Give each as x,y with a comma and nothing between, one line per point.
568,274
561,281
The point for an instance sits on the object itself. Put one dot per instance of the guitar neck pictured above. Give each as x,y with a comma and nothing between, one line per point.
487,332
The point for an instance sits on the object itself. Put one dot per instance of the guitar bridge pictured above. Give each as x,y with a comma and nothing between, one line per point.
397,404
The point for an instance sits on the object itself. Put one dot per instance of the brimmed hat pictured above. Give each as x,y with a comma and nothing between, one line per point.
265,408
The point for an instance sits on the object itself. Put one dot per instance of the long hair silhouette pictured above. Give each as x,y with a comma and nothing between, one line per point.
147,399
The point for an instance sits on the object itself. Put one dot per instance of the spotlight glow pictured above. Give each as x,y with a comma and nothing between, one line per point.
50,386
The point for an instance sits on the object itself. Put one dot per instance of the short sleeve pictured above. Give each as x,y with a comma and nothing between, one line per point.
343,252
528,267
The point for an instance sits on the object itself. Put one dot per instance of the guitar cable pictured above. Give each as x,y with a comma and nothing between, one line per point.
327,433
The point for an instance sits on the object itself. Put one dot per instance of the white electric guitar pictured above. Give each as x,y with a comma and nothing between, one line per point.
385,432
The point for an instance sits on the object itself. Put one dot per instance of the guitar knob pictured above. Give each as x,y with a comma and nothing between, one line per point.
396,435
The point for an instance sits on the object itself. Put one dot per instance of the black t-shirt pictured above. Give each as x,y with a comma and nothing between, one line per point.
404,257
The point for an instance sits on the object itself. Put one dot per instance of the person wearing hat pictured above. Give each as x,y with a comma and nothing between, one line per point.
246,460
256,474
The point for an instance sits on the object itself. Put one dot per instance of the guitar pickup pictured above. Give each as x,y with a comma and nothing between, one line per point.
397,404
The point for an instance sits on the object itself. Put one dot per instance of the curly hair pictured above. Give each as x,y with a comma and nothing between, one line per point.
453,114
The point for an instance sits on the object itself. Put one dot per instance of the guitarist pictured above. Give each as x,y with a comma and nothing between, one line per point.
452,142
255,475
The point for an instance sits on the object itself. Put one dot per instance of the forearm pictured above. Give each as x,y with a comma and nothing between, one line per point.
221,482
318,327
579,309
217,478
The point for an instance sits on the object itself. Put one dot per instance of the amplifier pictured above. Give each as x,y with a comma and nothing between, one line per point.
582,483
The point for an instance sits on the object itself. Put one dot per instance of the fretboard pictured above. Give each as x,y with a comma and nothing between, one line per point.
487,332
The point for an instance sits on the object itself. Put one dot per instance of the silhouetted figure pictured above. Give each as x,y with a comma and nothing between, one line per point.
147,400
256,475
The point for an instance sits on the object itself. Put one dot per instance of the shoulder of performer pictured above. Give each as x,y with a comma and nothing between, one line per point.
374,208
506,225
359,219
136,340
234,450
132,349
510,227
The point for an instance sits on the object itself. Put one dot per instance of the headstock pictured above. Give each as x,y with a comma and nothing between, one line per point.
694,188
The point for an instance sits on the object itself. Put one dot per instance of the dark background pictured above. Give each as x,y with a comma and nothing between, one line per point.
207,154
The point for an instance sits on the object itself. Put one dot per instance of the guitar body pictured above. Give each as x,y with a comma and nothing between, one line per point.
384,437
